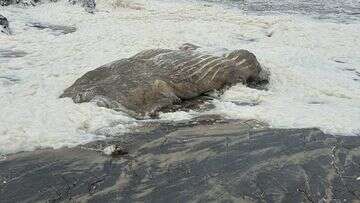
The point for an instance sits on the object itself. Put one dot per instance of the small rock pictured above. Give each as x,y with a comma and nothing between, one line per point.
5,2
3,157
89,5
338,61
270,34
114,150
57,29
20,2
4,25
29,2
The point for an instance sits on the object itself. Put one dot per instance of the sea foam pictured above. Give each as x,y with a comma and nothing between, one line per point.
314,65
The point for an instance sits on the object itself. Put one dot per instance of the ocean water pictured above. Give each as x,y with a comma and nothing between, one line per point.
312,52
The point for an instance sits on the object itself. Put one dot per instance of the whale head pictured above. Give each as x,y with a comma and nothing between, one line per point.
247,67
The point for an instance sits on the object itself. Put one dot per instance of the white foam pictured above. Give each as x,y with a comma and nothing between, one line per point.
177,116
109,150
300,55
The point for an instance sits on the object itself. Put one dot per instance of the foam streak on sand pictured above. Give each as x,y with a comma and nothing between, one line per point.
309,86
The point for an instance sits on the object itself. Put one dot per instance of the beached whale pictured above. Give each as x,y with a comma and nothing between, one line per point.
158,78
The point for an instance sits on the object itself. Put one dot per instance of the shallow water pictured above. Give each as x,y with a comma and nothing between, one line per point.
314,65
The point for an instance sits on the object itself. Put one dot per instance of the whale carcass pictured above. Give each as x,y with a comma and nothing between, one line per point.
158,78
